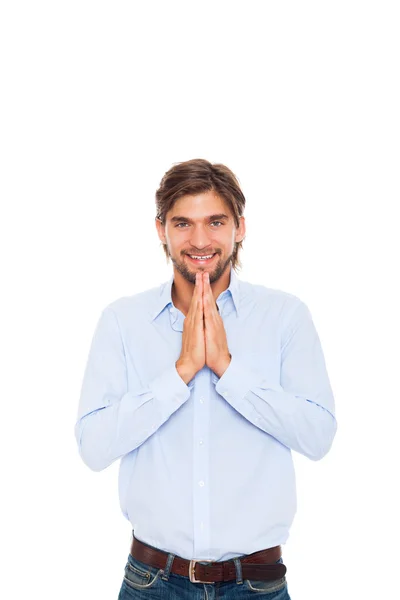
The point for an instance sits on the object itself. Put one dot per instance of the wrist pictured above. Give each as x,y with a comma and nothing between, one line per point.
223,365
184,370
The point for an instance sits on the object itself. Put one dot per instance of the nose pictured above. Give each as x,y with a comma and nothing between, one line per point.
199,238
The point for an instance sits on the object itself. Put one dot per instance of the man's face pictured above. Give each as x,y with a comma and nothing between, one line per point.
200,225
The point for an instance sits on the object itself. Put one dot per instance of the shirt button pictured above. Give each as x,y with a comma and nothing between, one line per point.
225,393
200,441
202,400
201,483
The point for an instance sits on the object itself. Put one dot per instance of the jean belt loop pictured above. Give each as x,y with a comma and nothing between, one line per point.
168,566
238,567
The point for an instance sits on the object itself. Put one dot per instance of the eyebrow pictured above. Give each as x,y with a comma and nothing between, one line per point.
219,217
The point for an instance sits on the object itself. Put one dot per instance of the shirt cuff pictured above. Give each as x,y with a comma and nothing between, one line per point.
238,380
170,389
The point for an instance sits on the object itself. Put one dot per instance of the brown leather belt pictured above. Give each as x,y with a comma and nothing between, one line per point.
261,565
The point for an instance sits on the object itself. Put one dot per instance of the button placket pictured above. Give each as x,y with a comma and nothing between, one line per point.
201,508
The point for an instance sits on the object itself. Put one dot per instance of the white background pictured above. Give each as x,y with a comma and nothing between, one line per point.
301,100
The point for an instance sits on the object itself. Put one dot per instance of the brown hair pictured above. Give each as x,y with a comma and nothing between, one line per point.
194,177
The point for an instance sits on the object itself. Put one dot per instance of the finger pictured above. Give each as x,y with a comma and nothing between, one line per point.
199,313
206,283
200,289
209,303
194,300
207,291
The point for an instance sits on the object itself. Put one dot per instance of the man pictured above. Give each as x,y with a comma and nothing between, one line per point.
203,386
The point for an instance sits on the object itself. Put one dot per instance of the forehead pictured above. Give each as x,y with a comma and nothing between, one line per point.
199,206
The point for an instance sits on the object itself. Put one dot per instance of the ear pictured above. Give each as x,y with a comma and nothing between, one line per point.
160,230
241,230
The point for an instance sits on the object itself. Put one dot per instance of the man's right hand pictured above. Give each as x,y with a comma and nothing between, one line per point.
193,353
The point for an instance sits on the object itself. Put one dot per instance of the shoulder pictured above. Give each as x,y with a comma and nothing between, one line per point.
136,305
283,303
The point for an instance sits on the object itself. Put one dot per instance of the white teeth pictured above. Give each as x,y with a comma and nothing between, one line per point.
200,257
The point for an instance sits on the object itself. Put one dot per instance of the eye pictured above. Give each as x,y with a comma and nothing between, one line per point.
179,224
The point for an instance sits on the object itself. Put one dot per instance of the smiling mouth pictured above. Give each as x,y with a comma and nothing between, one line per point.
195,258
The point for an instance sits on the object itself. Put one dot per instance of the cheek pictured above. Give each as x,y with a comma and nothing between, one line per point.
175,244
228,239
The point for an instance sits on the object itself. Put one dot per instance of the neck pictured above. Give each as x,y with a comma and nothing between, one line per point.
182,290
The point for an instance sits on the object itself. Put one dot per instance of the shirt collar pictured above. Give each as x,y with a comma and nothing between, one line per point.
164,296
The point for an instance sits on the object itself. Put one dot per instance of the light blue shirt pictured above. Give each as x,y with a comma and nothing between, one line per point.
206,469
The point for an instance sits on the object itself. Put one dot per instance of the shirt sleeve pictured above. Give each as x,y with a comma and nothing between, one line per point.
113,420
299,411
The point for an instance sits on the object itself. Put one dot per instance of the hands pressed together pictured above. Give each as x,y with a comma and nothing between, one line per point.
204,337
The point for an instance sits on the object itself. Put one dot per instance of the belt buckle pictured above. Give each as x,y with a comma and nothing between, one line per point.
192,566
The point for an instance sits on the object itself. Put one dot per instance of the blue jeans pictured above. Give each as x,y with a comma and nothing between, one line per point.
143,581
